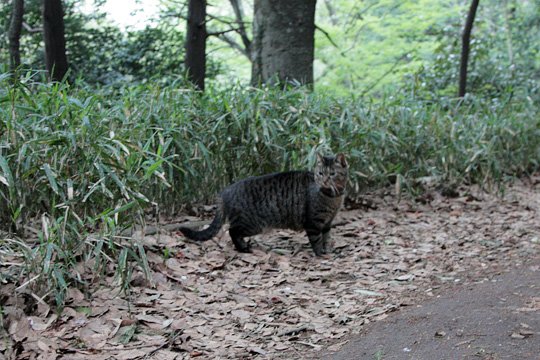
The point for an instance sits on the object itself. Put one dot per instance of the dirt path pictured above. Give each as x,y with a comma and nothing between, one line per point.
491,319
208,301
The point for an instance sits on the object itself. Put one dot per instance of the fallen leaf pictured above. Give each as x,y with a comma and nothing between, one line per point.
241,314
406,277
38,325
257,350
526,332
368,292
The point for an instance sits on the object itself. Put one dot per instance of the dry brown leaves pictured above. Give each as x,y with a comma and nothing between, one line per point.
280,301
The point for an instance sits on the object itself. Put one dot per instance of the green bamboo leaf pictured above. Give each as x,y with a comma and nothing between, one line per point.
152,168
120,184
59,276
49,249
112,212
143,261
75,101
51,176
7,178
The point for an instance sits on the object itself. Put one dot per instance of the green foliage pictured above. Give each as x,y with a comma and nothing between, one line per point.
151,52
374,46
504,58
378,46
101,53
86,164
378,42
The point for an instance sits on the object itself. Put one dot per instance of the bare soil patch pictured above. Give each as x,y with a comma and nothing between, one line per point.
209,301
492,320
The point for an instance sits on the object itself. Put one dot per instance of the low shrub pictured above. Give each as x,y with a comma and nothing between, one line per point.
82,164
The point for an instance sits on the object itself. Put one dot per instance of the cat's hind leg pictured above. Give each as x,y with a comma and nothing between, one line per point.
237,236
243,224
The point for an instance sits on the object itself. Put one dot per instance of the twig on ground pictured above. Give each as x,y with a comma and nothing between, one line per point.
294,330
308,344
167,343
113,348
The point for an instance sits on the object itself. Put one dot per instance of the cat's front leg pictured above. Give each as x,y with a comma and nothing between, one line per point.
326,239
316,241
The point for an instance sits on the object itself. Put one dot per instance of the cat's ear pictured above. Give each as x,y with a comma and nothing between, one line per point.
340,158
320,159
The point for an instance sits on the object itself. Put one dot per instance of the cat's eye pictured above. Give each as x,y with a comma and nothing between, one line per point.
333,173
320,173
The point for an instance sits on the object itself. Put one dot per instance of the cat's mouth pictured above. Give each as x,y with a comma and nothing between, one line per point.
332,191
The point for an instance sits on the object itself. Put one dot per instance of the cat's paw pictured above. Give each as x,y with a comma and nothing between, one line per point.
244,247
327,249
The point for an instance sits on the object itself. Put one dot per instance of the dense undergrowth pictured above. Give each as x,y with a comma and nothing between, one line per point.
79,165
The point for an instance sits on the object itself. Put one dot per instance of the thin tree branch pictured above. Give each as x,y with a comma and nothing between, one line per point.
218,33
237,8
377,81
225,21
233,44
359,16
331,12
31,29
327,36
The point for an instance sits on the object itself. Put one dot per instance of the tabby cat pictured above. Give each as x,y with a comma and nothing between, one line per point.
294,200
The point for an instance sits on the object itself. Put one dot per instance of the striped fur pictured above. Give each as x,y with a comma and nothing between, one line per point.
294,200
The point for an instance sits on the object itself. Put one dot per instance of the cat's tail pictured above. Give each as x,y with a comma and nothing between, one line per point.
209,232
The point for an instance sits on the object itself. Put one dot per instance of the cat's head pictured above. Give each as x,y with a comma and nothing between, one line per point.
331,174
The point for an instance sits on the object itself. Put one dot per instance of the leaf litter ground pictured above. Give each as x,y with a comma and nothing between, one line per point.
208,301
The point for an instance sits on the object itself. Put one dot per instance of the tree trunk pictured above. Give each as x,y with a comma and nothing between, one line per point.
283,42
55,41
465,47
15,28
196,43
